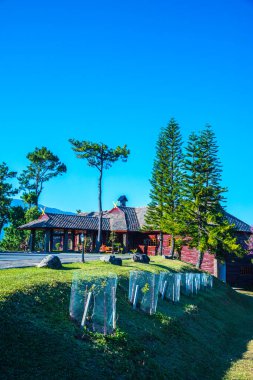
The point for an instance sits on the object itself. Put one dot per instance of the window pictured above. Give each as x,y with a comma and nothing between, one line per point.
58,232
246,269
150,242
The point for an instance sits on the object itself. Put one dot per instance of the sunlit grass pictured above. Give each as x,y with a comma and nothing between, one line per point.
242,369
203,337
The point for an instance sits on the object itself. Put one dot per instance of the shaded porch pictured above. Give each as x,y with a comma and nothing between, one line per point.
69,240
63,240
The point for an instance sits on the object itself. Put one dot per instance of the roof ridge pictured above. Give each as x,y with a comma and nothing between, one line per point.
69,215
239,220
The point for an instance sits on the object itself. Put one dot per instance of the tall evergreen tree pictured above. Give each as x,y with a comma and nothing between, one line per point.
163,213
203,193
6,193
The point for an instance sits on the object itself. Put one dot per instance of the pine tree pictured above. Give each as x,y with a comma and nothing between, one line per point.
101,157
204,195
163,213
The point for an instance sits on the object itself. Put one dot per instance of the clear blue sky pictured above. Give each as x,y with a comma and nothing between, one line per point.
117,71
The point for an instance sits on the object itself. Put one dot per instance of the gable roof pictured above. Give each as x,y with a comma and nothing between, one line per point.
118,219
132,220
239,224
71,222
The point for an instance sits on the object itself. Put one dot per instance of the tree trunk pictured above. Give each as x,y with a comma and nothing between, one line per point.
200,259
1,226
179,253
160,248
172,250
100,213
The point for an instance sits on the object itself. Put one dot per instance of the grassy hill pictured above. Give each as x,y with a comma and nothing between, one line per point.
208,336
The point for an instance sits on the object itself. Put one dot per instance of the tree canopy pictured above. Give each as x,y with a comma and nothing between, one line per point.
43,166
15,239
99,156
163,213
204,196
187,198
6,193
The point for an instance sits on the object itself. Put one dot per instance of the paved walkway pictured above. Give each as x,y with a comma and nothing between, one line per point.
19,260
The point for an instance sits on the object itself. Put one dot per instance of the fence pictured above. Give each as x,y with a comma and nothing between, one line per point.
192,283
93,299
93,302
143,290
187,284
206,281
169,286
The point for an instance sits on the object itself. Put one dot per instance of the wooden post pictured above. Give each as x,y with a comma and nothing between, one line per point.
86,309
164,289
65,241
51,239
93,241
105,314
135,296
113,308
47,247
125,242
73,236
32,241
152,306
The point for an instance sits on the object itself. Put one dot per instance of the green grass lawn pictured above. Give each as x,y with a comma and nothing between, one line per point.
209,336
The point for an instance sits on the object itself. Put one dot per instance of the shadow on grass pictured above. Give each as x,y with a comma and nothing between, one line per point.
194,339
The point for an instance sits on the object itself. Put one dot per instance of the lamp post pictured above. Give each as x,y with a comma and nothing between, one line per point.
82,240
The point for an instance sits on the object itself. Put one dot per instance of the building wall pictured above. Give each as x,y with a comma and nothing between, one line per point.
188,255
240,271
191,256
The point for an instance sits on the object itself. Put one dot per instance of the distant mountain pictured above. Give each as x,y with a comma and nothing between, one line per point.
19,202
